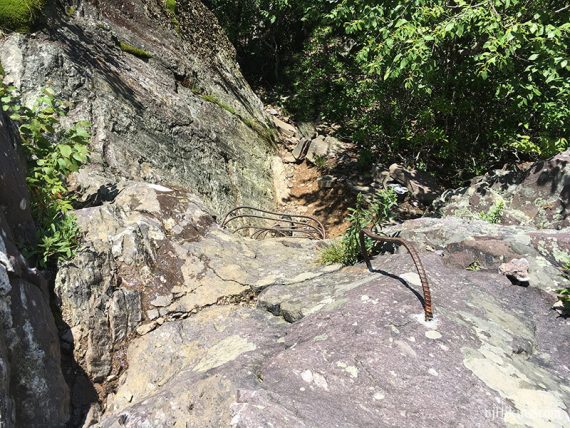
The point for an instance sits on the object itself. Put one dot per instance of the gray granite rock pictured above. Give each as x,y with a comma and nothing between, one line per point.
362,357
184,116
536,196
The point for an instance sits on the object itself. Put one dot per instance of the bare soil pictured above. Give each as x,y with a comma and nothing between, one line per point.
329,206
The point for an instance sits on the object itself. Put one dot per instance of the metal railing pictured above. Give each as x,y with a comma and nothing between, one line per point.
428,310
270,223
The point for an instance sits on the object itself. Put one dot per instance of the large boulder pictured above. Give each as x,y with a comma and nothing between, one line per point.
151,255
182,114
536,196
357,354
476,244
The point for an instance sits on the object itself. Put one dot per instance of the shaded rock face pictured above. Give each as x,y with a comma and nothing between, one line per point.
185,116
422,187
537,196
33,392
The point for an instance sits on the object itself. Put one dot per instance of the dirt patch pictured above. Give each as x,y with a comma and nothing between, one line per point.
329,206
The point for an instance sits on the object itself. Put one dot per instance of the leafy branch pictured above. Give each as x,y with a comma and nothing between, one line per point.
53,151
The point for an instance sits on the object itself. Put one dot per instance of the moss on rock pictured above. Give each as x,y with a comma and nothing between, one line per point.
19,15
133,50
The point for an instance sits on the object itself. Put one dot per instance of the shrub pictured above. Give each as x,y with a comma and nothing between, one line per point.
465,86
53,152
333,253
321,163
375,215
19,15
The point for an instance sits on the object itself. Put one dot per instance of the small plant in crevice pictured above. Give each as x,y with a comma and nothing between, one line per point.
133,50
52,152
377,214
170,6
564,297
474,266
215,100
321,163
495,213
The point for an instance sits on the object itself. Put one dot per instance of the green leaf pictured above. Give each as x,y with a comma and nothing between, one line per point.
65,150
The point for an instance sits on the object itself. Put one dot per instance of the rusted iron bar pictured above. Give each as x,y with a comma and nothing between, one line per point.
428,310
306,226
262,231
289,221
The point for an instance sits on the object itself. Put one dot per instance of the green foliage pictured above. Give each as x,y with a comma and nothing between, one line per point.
474,266
70,10
375,215
460,86
266,32
53,152
365,159
170,6
495,213
19,15
332,254
464,84
133,50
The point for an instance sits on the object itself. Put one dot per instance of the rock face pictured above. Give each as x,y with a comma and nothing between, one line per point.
537,196
180,323
152,255
184,116
484,246
33,392
357,354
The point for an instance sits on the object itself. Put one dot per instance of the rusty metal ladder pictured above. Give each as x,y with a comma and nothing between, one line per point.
303,226
272,223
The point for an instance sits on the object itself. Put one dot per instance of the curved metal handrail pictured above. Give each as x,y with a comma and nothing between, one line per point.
307,226
428,310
